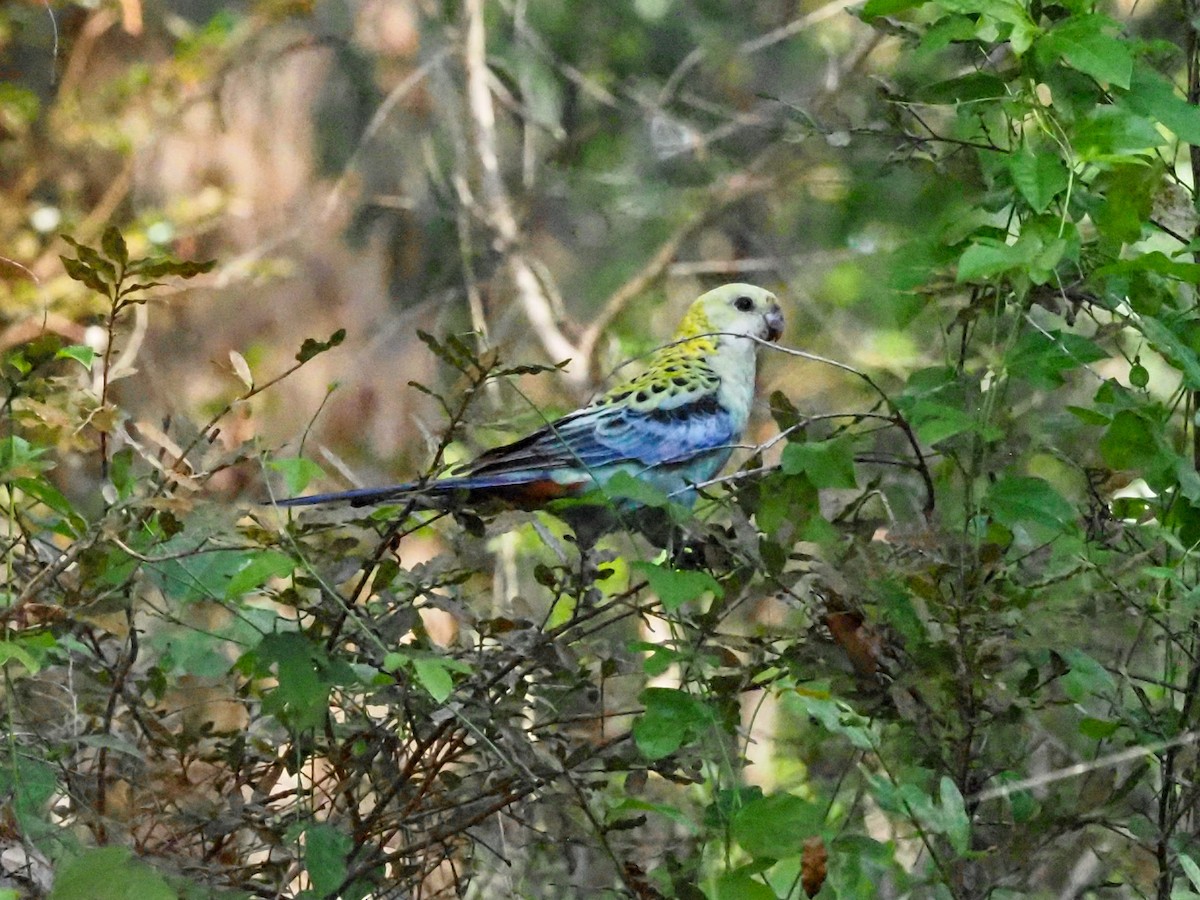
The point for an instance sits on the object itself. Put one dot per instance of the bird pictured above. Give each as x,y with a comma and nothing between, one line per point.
672,426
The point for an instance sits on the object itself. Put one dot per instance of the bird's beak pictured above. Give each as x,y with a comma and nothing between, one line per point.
774,320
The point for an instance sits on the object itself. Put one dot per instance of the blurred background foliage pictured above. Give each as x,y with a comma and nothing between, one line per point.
935,638
327,157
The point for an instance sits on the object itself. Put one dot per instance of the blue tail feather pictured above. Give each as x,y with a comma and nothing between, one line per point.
437,487
357,497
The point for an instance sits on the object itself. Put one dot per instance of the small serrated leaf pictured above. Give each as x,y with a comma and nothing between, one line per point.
453,352
783,411
192,268
530,369
312,347
140,286
95,261
113,245
84,274
159,267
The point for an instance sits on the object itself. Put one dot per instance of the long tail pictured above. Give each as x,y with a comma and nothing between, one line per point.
532,488
357,497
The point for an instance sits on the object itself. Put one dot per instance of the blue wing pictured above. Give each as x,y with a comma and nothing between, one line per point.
604,435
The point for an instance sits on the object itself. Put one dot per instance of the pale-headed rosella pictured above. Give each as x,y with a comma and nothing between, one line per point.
672,426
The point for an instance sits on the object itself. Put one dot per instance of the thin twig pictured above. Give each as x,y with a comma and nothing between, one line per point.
1104,762
897,417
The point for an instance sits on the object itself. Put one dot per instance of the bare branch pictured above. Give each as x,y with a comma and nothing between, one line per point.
497,209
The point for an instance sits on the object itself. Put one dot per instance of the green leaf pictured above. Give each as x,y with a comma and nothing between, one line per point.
1131,442
1155,261
1128,193
85,275
11,650
27,786
946,31
834,715
305,676
113,245
43,491
256,570
1164,339
297,473
197,576
676,587
988,257
121,474
956,825
325,851
161,266
660,659
1085,678
623,486
741,885
875,8
1152,95
21,459
1010,12
452,352
785,498
1190,869
1083,43
192,652
1021,501
777,826
109,873
1089,416
671,719
433,675
1041,357
1022,803
967,88
828,464
934,422
1098,729
311,347
1039,176
81,353
1111,133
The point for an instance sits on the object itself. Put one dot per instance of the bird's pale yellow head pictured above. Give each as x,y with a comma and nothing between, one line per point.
738,309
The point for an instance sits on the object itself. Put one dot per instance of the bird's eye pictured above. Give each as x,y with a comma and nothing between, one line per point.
743,304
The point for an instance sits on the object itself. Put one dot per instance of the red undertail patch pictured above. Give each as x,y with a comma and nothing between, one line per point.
539,492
